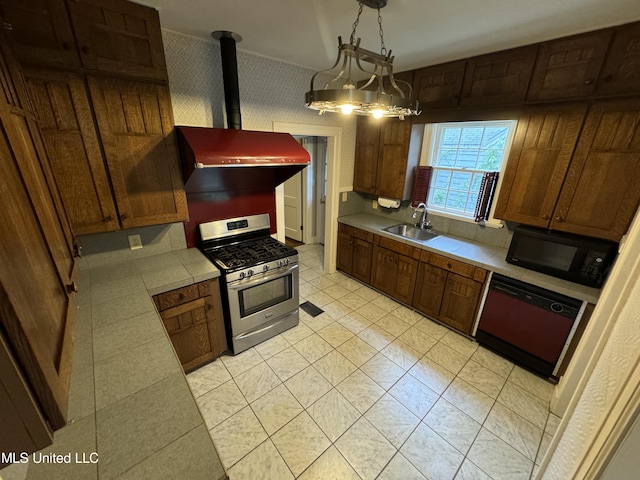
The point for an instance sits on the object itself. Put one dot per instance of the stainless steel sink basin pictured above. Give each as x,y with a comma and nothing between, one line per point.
414,233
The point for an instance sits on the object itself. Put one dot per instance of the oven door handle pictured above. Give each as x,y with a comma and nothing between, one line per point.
239,285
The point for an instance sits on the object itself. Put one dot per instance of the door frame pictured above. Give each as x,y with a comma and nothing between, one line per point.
334,149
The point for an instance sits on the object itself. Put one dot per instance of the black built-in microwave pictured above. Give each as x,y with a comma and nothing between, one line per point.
575,258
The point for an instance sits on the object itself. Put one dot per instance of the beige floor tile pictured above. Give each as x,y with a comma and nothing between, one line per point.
532,383
406,314
273,346
482,378
391,419
469,471
353,301
493,362
431,454
320,299
400,468
354,322
276,409
371,312
469,399
237,364
287,363
383,371
544,446
367,293
308,386
331,465
264,462
300,442
460,343
336,309
335,334
385,303
414,395
360,390
357,351
334,367
319,322
499,460
220,403
453,425
313,348
521,434
431,328
237,436
393,325
432,374
376,337
257,381
207,378
418,340
552,424
336,291
366,450
321,282
524,404
447,357
297,333
334,414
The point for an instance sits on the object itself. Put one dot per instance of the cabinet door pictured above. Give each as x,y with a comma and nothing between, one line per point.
392,159
361,266
366,156
499,78
569,67
117,36
621,71
538,162
36,262
430,283
600,194
407,269
64,114
460,302
384,270
345,252
40,32
439,86
136,127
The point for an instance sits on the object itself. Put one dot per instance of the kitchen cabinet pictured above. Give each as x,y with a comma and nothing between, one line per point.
537,165
194,320
620,73
448,290
136,128
37,273
384,163
354,252
574,180
64,112
111,36
500,78
569,67
439,86
394,268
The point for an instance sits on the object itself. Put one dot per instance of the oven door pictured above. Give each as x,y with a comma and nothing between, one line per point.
262,299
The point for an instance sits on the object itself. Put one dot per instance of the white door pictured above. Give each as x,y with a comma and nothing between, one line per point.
293,207
321,186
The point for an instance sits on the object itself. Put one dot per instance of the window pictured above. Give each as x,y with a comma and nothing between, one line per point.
460,154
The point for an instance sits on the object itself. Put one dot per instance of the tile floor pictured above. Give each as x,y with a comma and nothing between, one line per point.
371,389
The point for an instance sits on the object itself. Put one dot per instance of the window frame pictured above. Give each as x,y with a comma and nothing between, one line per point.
427,158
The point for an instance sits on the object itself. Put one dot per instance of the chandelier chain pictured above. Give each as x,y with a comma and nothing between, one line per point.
383,49
355,25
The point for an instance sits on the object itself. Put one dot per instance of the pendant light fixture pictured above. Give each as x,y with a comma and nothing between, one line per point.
380,94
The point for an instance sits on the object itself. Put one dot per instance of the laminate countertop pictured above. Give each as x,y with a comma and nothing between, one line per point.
482,255
129,398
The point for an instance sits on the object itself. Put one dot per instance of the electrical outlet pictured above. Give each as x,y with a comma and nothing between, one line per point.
135,242
375,205
344,196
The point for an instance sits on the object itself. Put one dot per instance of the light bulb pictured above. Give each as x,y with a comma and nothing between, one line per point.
377,113
347,108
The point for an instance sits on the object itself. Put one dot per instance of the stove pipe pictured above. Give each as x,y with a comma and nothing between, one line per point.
230,76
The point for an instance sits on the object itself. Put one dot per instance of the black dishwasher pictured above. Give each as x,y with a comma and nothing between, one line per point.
526,323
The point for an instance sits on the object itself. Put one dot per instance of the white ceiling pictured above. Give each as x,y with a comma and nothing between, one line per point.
419,32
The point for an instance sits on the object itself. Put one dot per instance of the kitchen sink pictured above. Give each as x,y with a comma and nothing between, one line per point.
414,233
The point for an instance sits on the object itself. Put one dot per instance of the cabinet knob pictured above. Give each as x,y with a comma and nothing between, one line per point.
545,217
181,296
559,219
72,287
449,265
123,216
588,81
7,26
108,218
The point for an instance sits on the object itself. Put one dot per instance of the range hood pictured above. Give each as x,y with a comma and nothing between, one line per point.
219,159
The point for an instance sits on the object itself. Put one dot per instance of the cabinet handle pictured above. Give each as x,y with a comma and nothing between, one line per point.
449,265
72,287
559,219
8,26
123,216
545,217
588,81
181,296
108,218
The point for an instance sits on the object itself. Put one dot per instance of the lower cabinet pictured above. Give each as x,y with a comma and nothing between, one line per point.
194,321
394,269
354,252
448,290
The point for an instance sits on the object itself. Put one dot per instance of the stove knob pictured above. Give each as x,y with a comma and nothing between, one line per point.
279,264
286,262
241,275
265,269
249,273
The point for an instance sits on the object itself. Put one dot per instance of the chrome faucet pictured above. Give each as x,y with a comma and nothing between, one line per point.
423,224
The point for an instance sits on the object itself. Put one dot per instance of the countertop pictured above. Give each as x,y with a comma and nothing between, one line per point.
129,400
486,256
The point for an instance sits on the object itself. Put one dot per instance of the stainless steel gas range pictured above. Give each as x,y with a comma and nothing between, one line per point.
260,278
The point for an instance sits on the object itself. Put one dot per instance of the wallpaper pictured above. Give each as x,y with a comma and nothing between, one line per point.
270,91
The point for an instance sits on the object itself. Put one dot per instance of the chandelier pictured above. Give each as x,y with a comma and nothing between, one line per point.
379,95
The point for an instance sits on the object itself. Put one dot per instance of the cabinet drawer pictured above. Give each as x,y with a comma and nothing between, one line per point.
176,297
398,247
452,265
356,232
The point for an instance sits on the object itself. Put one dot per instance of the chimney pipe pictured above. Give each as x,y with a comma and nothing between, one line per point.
230,76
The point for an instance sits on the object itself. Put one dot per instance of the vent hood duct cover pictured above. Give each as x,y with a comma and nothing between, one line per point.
218,159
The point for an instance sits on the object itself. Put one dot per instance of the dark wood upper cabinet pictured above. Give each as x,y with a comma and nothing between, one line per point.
439,86
40,32
600,194
64,113
136,127
117,36
366,155
500,78
621,71
569,67
538,161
